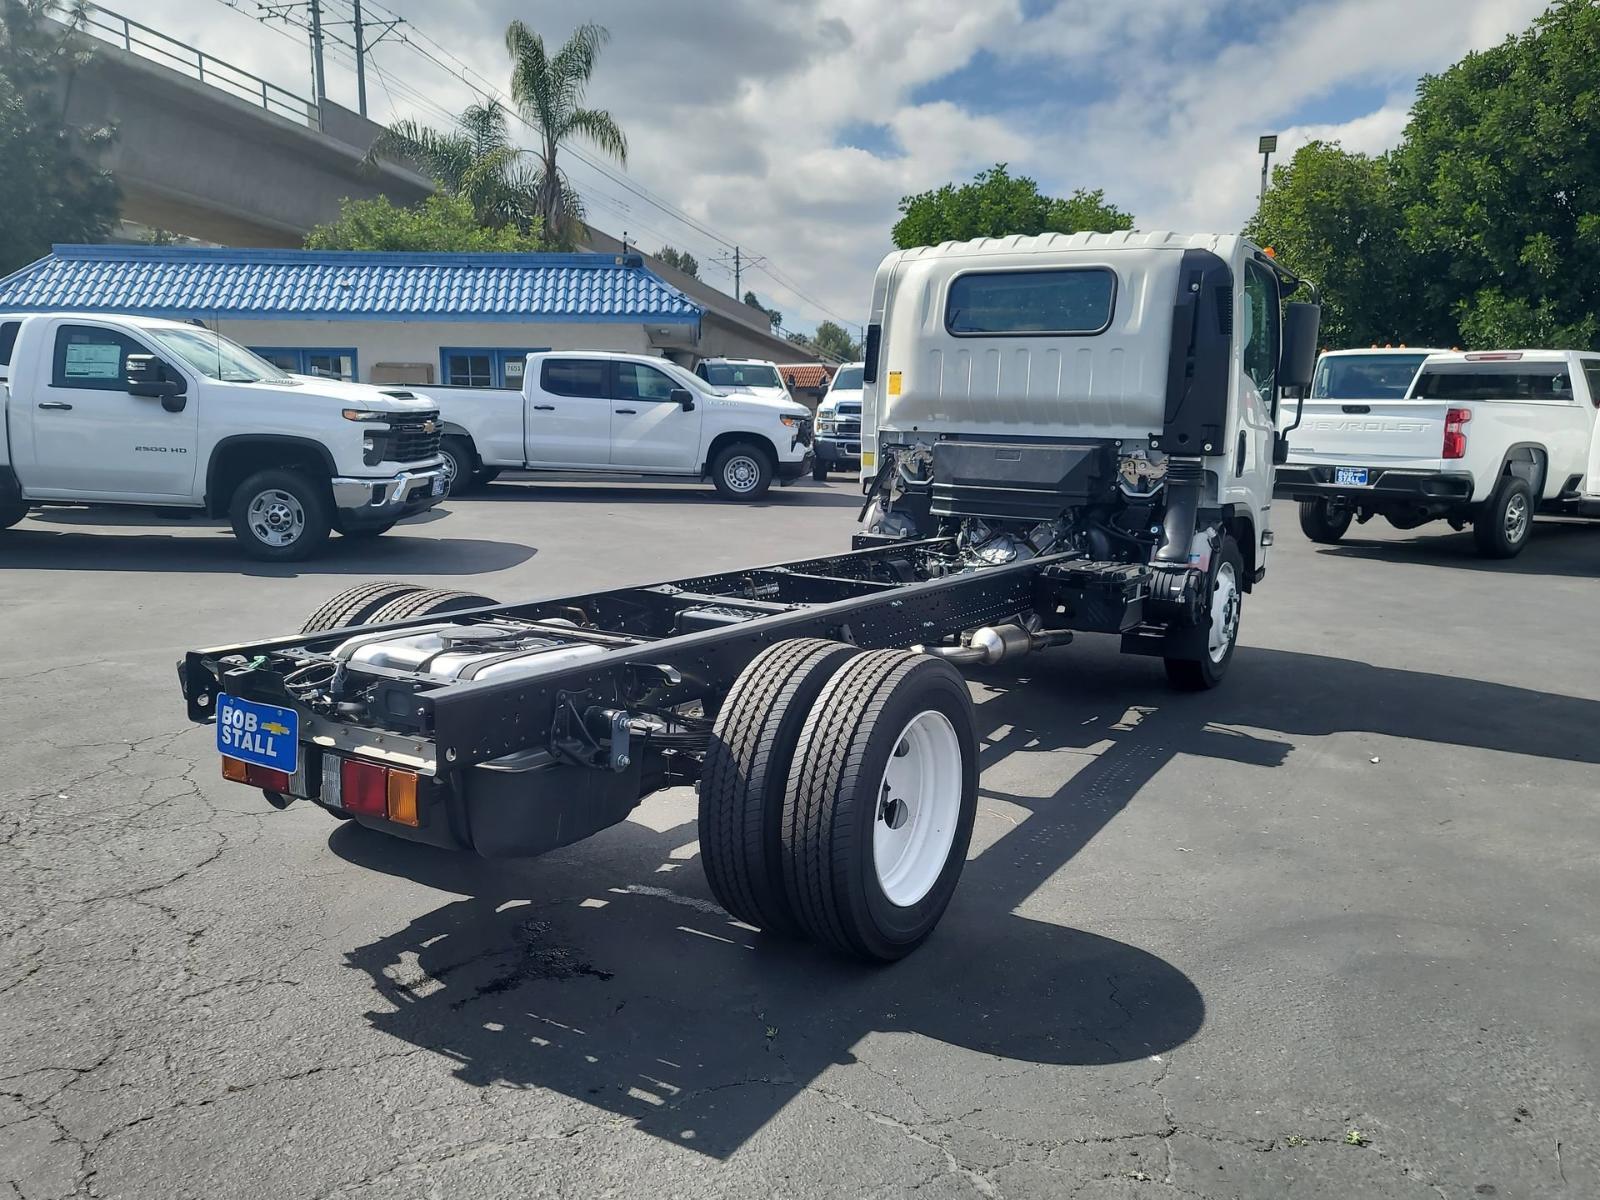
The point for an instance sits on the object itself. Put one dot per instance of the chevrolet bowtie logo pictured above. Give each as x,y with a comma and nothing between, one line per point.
429,426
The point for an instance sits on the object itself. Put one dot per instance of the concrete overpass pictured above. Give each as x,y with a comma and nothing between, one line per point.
208,150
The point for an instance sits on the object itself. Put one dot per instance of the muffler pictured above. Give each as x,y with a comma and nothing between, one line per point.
996,643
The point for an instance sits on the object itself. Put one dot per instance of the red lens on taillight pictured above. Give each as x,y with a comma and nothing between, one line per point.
364,788
262,777
1455,433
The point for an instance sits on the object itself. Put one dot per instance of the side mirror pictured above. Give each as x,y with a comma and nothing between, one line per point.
683,398
1301,323
148,376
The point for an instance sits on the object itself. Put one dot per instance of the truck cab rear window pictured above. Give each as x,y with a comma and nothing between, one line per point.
1069,302
574,377
1495,381
8,341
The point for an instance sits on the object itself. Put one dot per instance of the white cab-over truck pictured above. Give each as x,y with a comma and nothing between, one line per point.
1484,438
135,412
1073,434
623,414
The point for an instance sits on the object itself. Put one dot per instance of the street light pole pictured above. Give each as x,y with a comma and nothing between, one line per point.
1267,145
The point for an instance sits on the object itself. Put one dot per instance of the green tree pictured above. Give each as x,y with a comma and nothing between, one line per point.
548,92
475,160
679,260
774,317
833,342
52,188
1499,175
996,205
441,222
1335,217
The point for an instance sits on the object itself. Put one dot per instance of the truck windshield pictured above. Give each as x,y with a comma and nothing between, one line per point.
1365,376
215,357
736,375
848,379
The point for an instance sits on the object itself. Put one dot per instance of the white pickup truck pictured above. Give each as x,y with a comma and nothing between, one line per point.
137,412
1482,438
623,414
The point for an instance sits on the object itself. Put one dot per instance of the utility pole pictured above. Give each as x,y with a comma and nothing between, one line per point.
361,58
736,268
319,79
1267,144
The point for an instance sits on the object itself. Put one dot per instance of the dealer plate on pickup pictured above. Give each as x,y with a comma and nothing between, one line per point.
262,734
1355,475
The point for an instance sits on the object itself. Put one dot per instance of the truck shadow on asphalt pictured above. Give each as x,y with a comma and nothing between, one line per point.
531,489
642,998
1562,548
88,545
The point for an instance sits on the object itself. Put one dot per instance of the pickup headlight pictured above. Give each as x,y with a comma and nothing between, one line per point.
826,425
791,422
363,414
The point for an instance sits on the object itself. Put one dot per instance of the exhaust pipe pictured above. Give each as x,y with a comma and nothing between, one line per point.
996,643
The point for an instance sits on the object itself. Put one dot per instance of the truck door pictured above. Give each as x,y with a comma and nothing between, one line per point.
569,413
91,439
1249,471
650,431
1591,477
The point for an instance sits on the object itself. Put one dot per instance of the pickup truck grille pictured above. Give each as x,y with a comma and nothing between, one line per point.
413,437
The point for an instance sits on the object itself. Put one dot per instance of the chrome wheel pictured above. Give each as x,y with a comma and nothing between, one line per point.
1516,518
276,518
451,469
741,473
1225,601
919,807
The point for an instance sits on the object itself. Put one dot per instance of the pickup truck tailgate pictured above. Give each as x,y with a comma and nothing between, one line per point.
1405,434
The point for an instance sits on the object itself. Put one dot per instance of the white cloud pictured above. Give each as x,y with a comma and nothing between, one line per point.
735,111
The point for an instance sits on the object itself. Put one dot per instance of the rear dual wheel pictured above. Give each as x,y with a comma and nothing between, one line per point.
387,600
861,846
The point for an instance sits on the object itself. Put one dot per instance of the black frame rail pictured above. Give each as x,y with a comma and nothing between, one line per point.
882,597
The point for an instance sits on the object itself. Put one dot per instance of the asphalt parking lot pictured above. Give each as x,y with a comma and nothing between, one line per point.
1326,932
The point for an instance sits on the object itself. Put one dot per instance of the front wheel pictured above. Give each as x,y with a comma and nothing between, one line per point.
1321,522
11,511
742,472
280,515
1225,607
819,470
1502,525
460,465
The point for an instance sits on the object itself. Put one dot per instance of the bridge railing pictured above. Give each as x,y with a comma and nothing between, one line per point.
140,39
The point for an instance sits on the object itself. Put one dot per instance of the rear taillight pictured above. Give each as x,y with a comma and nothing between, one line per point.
265,778
1455,432
377,791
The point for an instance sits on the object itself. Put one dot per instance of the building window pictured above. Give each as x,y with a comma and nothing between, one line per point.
321,361
483,367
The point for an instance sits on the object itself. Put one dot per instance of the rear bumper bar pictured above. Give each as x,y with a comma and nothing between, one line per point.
1384,485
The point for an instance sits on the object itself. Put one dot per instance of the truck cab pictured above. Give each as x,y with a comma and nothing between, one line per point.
133,411
1113,393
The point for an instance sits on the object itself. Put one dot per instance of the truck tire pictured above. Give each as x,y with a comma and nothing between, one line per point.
879,808
1320,523
819,470
746,772
1225,607
11,511
426,603
281,515
484,476
353,605
460,465
742,471
1502,524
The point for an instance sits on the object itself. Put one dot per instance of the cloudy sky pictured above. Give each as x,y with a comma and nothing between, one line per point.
792,127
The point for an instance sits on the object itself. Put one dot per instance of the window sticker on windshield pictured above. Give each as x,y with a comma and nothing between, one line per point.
93,360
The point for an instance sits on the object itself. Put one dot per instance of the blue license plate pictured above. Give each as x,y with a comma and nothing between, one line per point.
262,734
1355,475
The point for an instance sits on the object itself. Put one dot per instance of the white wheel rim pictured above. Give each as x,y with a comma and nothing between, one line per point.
919,806
1224,613
276,518
741,473
1516,517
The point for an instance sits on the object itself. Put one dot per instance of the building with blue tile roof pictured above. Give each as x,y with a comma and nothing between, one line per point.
418,318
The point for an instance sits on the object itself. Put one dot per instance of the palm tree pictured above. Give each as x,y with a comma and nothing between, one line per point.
475,160
548,93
